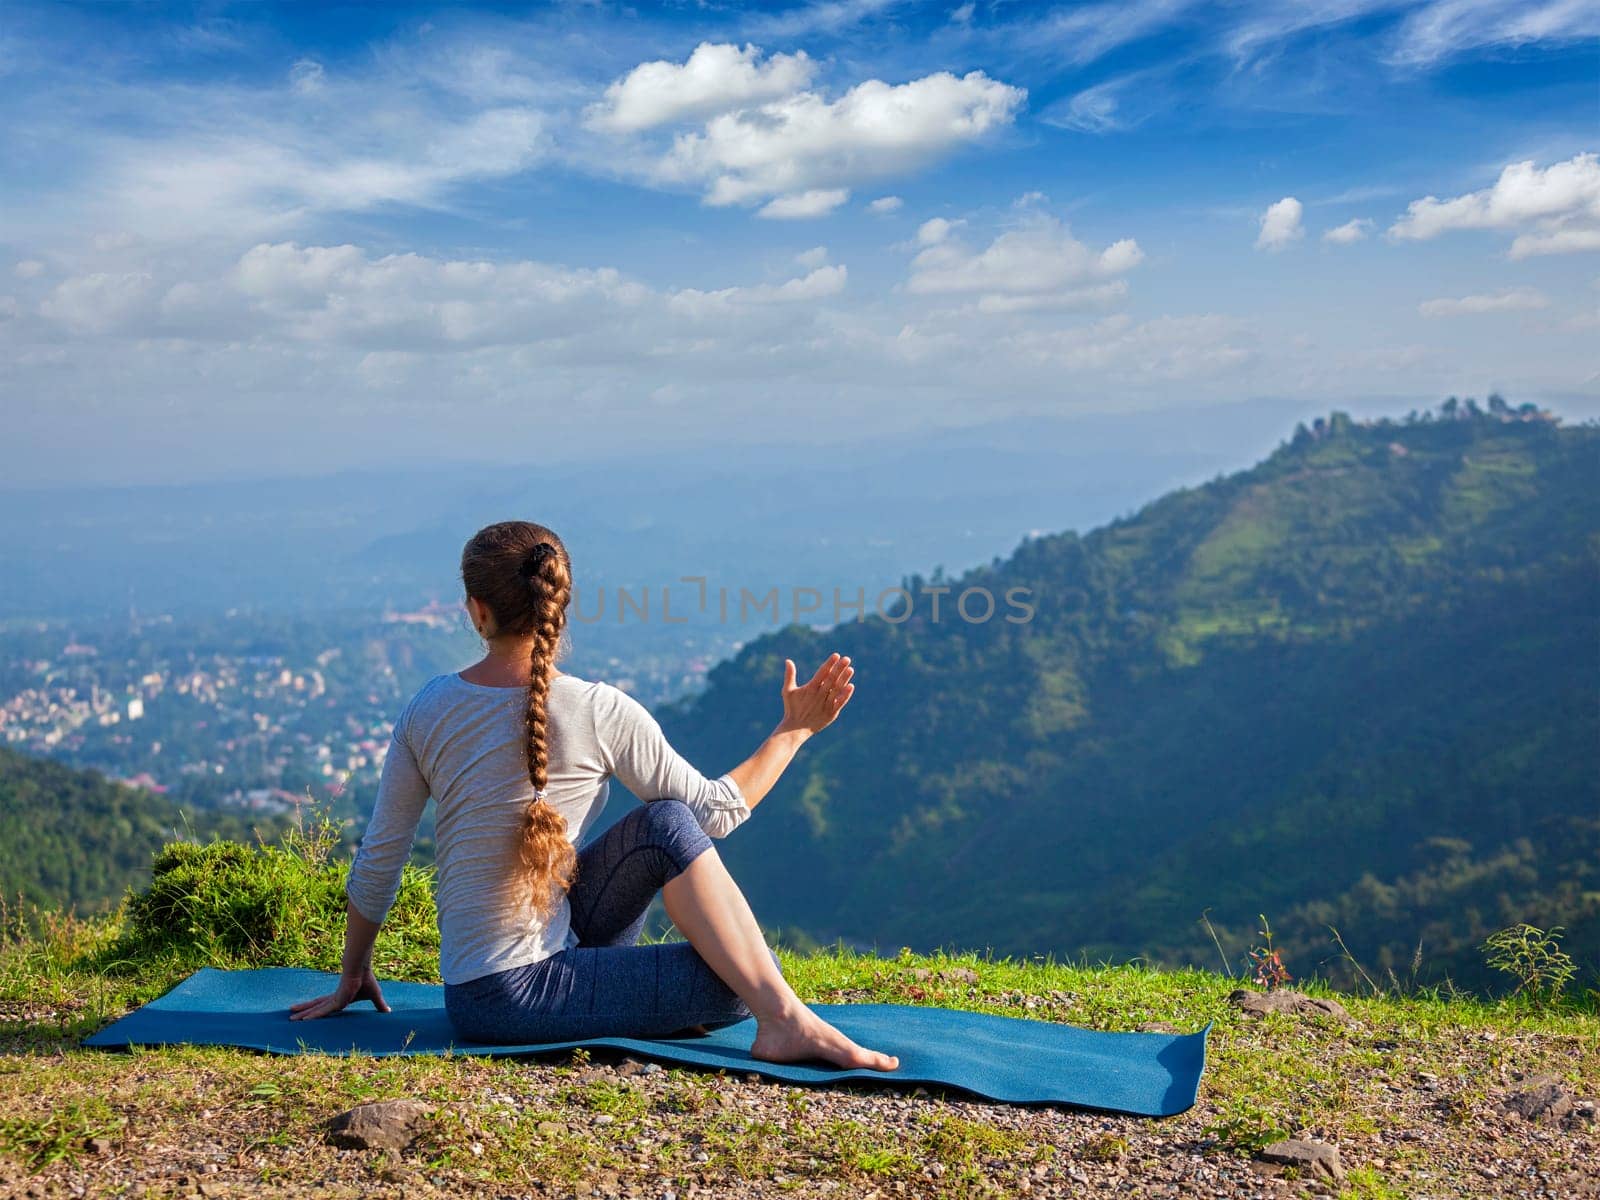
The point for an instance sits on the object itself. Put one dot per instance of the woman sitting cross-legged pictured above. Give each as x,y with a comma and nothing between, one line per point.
538,939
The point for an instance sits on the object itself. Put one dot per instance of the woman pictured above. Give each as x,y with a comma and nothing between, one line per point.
538,939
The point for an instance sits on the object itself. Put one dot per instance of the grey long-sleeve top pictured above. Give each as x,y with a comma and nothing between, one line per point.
465,745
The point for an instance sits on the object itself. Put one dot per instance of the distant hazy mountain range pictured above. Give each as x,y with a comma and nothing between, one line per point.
1354,686
862,514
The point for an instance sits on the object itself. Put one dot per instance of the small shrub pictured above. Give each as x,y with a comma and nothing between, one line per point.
229,904
1531,957
1245,1125
1270,972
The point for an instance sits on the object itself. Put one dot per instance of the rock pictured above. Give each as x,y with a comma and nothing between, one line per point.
1158,1027
1259,1004
1312,1158
632,1066
98,1145
1542,1100
381,1125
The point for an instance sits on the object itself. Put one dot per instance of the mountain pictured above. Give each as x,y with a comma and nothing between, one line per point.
71,837
1351,688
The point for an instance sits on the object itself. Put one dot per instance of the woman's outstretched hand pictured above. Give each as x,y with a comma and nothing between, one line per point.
348,992
813,705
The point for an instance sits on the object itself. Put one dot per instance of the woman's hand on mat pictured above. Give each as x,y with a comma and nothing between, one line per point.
348,992
813,705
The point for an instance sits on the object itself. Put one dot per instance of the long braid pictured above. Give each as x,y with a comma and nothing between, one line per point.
521,571
546,850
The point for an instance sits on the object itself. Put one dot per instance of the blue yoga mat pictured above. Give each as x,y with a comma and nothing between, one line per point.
1011,1059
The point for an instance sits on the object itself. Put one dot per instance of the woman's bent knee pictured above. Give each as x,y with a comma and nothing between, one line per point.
674,827
670,815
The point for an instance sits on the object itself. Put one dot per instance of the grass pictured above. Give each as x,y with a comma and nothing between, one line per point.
502,1124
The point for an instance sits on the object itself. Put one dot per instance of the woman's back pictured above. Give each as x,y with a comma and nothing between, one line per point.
466,745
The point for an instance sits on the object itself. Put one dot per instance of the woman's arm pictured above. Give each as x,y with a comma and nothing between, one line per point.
636,751
356,979
374,878
806,710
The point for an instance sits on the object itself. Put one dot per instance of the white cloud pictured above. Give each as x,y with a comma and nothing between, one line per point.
885,204
934,230
820,16
1350,231
1280,224
1093,110
806,143
812,258
1445,28
1553,210
819,284
1512,300
340,296
265,178
715,79
1037,265
100,301
818,202
28,268
1100,295
1084,33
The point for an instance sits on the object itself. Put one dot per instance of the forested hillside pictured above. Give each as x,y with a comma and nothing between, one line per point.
73,837
1353,686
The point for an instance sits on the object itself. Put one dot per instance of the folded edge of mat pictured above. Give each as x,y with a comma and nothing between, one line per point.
1160,1084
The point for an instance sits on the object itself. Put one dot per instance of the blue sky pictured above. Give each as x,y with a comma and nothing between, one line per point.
256,237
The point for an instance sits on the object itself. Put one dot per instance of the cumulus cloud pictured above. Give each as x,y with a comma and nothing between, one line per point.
1038,265
1350,231
805,143
818,202
812,258
819,284
409,303
885,204
1512,300
98,302
1552,210
1280,225
716,77
934,230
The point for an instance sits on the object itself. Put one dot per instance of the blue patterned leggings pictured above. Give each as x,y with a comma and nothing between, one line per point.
608,985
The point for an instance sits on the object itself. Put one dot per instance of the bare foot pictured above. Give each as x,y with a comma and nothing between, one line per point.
809,1036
